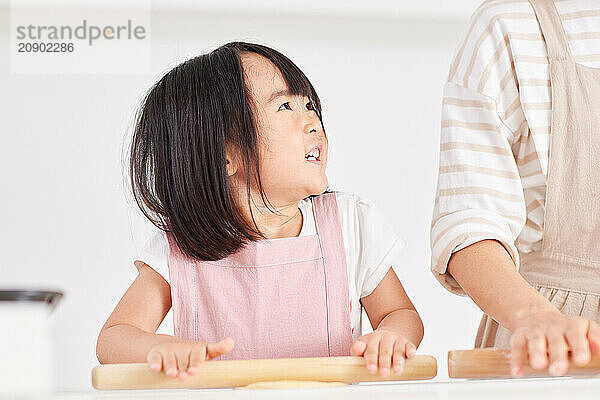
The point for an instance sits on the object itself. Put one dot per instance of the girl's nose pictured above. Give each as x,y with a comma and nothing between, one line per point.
313,125
314,130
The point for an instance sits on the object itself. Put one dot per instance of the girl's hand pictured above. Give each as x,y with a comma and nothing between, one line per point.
184,358
546,339
385,349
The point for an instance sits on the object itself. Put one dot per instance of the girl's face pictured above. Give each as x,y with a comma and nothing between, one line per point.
292,143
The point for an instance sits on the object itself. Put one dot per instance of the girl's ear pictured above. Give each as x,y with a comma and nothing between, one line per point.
231,160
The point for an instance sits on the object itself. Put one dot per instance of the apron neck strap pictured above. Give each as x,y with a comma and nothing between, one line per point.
329,230
552,28
327,218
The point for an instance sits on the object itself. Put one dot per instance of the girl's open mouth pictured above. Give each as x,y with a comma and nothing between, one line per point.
313,155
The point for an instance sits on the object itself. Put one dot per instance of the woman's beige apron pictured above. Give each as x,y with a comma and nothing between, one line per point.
567,269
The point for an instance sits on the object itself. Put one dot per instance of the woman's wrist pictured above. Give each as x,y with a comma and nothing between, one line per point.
528,314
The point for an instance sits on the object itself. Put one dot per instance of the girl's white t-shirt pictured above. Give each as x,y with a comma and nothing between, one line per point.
372,248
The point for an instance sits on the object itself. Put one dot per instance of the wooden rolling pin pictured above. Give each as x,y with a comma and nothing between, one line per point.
495,363
234,373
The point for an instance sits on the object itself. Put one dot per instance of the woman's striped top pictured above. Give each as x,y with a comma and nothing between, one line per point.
495,131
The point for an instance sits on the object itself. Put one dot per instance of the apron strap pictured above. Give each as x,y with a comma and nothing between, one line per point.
329,230
552,28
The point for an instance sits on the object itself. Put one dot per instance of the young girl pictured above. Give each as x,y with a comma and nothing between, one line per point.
256,258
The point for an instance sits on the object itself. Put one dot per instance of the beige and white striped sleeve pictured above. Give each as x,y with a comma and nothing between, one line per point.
479,193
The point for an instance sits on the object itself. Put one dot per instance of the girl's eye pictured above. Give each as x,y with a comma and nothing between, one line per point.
285,106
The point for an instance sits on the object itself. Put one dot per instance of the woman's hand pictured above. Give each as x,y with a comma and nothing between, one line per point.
385,349
545,339
184,358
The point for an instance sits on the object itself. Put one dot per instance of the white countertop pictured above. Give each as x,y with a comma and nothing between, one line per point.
514,389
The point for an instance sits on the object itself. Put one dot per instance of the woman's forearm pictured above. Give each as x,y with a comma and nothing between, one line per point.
488,275
124,343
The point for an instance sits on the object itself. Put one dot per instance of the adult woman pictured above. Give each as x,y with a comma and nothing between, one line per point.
518,174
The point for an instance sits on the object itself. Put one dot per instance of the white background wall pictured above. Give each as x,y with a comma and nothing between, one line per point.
67,222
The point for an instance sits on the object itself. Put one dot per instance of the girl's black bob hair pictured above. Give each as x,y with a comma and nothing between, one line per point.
177,157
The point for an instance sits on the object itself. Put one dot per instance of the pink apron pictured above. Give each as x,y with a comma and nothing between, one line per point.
276,298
